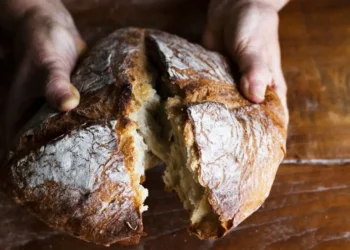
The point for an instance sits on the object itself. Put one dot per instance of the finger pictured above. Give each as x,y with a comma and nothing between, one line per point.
256,75
51,48
278,83
80,44
280,87
59,91
248,38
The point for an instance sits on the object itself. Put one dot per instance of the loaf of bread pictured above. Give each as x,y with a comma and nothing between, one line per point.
147,96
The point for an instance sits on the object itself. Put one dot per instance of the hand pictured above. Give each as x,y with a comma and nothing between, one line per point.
248,30
48,45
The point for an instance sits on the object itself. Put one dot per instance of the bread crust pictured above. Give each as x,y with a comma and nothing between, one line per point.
76,171
106,208
239,145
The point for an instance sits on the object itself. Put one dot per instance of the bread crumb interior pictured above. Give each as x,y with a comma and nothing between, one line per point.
160,134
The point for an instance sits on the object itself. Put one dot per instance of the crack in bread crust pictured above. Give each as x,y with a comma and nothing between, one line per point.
231,147
109,211
148,96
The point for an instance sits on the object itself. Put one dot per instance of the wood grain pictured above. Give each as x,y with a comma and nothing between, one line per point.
315,41
308,209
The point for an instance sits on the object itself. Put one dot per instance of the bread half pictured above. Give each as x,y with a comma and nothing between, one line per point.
225,151
81,171
147,96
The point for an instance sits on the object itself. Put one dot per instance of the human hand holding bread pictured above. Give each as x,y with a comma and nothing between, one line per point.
47,48
129,83
247,30
49,45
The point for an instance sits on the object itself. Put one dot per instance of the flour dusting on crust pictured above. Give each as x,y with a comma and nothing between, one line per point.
189,61
68,161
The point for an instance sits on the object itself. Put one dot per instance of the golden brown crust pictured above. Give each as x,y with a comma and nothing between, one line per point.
239,145
201,75
91,193
76,171
80,187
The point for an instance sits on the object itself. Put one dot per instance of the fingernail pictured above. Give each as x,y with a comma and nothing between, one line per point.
71,101
257,92
74,91
254,92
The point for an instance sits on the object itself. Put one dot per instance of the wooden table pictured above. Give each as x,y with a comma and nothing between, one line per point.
309,205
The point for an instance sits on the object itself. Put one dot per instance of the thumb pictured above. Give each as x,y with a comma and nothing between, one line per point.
59,91
256,75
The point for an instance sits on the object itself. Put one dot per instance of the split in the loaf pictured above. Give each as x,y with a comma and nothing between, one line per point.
160,98
181,159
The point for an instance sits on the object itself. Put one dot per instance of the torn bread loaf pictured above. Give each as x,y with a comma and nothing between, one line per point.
225,150
80,171
148,96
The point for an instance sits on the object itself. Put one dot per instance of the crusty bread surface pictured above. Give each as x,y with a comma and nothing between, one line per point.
148,97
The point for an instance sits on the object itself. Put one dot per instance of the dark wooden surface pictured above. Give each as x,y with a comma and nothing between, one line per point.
308,209
315,41
309,205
